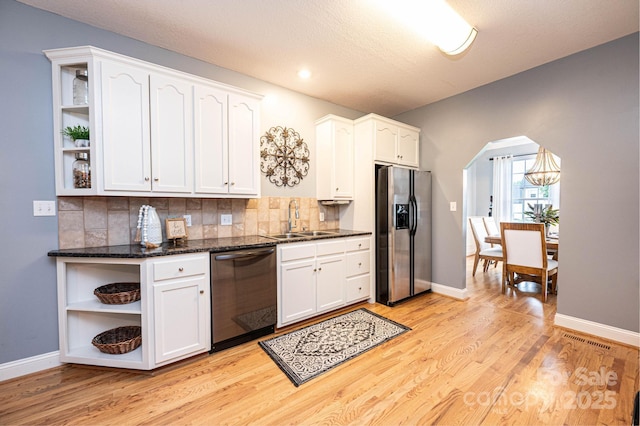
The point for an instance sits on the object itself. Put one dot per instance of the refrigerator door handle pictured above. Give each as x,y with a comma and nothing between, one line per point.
414,215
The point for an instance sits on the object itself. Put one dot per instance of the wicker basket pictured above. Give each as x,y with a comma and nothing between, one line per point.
118,293
118,340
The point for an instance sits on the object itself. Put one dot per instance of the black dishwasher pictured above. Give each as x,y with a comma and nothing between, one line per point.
243,296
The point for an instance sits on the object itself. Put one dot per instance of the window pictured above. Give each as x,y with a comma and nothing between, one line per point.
524,194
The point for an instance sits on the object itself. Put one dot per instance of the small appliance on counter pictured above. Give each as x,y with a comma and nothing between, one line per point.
243,296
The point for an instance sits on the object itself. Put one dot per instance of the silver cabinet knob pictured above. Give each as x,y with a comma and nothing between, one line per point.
146,179
181,269
201,291
155,179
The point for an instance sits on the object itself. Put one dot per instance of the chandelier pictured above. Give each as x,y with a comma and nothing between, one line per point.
545,171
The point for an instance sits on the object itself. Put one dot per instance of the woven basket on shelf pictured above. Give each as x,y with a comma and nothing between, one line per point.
118,293
118,340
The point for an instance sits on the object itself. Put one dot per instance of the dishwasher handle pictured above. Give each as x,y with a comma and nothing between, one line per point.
245,254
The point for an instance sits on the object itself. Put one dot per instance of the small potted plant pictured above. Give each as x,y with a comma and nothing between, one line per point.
547,215
79,134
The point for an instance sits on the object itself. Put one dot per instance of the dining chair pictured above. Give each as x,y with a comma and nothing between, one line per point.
491,227
525,253
484,251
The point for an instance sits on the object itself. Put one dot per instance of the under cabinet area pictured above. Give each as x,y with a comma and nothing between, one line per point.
318,277
173,311
154,131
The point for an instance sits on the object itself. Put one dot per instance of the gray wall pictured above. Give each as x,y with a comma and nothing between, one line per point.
28,309
584,108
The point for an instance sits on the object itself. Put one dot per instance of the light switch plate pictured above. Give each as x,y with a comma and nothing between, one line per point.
44,208
225,219
453,206
321,216
187,218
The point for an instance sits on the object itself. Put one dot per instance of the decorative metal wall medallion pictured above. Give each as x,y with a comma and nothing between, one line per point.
284,156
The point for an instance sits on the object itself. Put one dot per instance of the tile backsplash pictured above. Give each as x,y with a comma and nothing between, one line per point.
106,221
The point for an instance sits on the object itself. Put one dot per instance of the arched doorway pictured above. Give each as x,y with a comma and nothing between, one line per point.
479,199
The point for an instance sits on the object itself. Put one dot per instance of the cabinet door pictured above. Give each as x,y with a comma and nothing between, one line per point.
330,282
181,317
298,290
343,160
408,147
244,161
386,137
211,135
171,134
125,128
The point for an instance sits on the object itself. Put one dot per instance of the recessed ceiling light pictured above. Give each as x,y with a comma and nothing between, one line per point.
304,74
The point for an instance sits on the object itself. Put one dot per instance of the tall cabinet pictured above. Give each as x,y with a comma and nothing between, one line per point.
154,131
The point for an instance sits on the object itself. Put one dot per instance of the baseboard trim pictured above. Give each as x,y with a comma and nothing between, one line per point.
596,329
445,290
30,365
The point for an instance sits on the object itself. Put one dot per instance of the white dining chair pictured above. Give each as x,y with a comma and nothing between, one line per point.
525,253
491,227
484,251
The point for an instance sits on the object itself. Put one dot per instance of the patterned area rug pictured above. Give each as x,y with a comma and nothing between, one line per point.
306,353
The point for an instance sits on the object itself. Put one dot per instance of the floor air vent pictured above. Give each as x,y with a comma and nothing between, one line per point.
589,342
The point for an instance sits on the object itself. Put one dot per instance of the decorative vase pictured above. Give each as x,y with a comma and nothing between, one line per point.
154,227
81,143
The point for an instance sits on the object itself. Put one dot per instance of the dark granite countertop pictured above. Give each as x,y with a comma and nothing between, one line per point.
213,245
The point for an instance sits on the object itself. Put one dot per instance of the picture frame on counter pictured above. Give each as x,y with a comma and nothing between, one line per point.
176,228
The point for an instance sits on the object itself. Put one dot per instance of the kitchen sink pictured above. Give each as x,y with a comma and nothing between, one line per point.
302,234
315,233
286,236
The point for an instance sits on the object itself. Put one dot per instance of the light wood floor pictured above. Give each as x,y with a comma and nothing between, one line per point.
493,359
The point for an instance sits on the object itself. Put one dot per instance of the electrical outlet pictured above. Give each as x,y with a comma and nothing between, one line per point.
225,219
321,216
187,217
44,208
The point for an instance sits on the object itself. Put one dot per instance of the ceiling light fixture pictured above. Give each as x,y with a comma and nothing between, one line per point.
436,21
304,74
545,170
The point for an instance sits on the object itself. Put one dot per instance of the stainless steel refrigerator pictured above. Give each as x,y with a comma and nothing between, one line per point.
403,233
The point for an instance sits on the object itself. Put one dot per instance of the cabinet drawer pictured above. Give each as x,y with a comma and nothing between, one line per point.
336,246
178,268
297,251
357,263
356,244
358,288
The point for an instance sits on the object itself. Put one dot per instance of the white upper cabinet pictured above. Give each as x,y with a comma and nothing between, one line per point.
244,152
126,144
393,142
171,134
154,131
334,157
211,136
226,152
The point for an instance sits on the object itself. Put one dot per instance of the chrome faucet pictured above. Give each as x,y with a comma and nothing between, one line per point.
297,213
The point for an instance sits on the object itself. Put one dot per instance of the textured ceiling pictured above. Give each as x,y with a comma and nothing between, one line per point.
360,58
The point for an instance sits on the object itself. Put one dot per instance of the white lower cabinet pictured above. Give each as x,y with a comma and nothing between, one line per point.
173,310
181,308
315,277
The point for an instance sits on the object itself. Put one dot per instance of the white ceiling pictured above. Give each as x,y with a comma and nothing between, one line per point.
359,57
